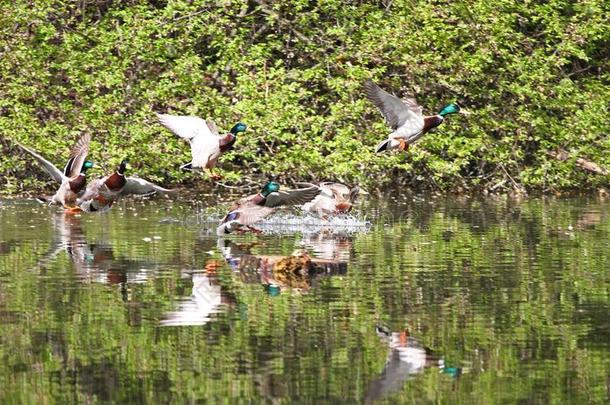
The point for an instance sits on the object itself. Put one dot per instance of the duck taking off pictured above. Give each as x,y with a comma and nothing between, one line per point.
404,117
251,209
73,178
103,192
206,144
271,196
243,217
334,198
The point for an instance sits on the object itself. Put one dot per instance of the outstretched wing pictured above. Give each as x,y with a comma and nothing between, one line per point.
48,166
186,127
77,156
204,143
138,186
292,197
248,215
337,188
396,112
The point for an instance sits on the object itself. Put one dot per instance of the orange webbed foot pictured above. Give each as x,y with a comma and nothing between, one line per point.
73,210
403,146
214,176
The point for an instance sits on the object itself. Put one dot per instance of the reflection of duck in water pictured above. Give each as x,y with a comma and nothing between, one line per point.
294,271
232,252
287,271
329,245
93,262
207,298
407,357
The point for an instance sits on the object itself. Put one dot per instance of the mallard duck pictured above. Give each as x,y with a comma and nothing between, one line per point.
334,198
245,212
73,178
206,144
404,117
103,192
271,196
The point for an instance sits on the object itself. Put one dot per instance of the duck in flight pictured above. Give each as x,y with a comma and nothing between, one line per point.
404,117
73,178
206,143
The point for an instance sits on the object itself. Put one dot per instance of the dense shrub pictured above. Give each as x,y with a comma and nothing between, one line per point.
534,74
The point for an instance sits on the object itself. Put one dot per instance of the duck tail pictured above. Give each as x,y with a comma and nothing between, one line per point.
383,146
187,166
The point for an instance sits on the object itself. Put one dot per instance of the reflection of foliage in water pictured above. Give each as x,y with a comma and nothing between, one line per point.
514,293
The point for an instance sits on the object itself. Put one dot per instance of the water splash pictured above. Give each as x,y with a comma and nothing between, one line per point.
287,223
308,224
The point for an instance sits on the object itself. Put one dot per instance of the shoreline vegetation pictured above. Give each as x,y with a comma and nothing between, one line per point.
534,76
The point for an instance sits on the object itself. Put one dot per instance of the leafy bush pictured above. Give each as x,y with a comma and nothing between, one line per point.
534,75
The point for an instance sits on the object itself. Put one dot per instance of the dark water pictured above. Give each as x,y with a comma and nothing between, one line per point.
438,300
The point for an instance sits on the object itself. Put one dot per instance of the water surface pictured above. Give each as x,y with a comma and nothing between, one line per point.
416,300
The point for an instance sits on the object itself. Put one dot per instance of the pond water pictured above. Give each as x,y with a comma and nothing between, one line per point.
413,300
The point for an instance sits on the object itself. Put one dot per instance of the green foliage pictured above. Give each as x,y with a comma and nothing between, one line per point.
534,75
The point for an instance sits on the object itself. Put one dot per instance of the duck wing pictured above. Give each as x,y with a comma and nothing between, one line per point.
327,189
187,127
138,186
396,112
248,215
336,188
204,143
78,154
212,126
55,173
292,197
93,189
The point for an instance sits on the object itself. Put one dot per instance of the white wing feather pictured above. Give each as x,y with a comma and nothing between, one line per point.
136,185
187,127
205,145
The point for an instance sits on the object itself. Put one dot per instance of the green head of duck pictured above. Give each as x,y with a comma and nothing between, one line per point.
269,188
86,166
239,127
449,109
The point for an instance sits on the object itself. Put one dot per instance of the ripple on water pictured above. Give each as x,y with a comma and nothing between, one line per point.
434,298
